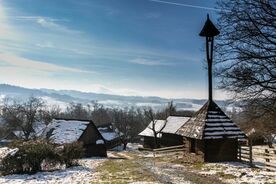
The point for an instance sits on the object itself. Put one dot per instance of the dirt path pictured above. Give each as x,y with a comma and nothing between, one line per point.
129,167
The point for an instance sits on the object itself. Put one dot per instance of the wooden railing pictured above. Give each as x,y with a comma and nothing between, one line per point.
258,156
245,154
268,156
170,149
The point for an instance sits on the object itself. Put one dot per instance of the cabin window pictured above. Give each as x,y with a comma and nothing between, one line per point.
193,143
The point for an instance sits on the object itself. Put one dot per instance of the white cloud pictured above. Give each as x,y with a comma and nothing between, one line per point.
142,61
52,25
46,44
47,22
20,62
35,18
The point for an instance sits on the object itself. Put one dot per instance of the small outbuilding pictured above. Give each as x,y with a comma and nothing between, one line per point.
111,135
212,134
62,131
167,137
38,128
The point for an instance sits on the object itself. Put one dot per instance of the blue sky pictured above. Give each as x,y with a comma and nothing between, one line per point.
127,47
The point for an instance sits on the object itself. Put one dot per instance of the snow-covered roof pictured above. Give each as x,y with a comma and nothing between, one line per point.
172,124
108,132
65,131
148,130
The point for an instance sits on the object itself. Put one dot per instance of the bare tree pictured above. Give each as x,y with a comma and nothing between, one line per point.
251,117
22,115
49,113
76,111
121,121
156,129
246,51
129,122
100,114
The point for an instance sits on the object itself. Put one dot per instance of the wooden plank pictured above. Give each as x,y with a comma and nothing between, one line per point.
167,151
245,157
245,149
270,165
269,155
168,148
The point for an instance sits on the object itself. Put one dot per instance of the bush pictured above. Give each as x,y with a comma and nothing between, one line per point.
11,164
29,157
35,154
71,152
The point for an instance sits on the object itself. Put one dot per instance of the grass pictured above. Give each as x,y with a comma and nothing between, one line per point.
123,171
200,179
225,176
198,166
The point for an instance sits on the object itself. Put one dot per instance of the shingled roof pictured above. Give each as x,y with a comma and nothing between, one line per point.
210,122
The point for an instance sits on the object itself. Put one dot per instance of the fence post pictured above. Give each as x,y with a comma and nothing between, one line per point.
266,159
250,154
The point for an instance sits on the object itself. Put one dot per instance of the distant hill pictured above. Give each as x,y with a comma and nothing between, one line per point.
64,97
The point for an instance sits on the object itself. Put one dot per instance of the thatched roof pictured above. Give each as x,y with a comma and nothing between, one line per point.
210,122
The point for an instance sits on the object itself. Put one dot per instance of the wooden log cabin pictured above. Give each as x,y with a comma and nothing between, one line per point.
211,134
111,135
62,131
167,137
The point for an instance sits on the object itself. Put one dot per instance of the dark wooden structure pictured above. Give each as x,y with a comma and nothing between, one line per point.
210,132
62,131
111,135
167,137
166,140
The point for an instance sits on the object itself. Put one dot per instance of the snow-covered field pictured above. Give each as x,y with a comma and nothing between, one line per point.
142,168
235,172
85,173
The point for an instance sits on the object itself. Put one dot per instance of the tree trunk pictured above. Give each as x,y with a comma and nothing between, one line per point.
125,145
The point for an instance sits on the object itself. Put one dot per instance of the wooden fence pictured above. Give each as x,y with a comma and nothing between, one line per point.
258,156
171,149
245,154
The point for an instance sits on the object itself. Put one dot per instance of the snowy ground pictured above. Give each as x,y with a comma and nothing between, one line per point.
80,174
235,172
133,166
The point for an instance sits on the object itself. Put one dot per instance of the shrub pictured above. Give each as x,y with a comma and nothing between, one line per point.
34,154
11,164
29,157
70,153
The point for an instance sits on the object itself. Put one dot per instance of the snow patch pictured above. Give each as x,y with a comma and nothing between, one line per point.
100,141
